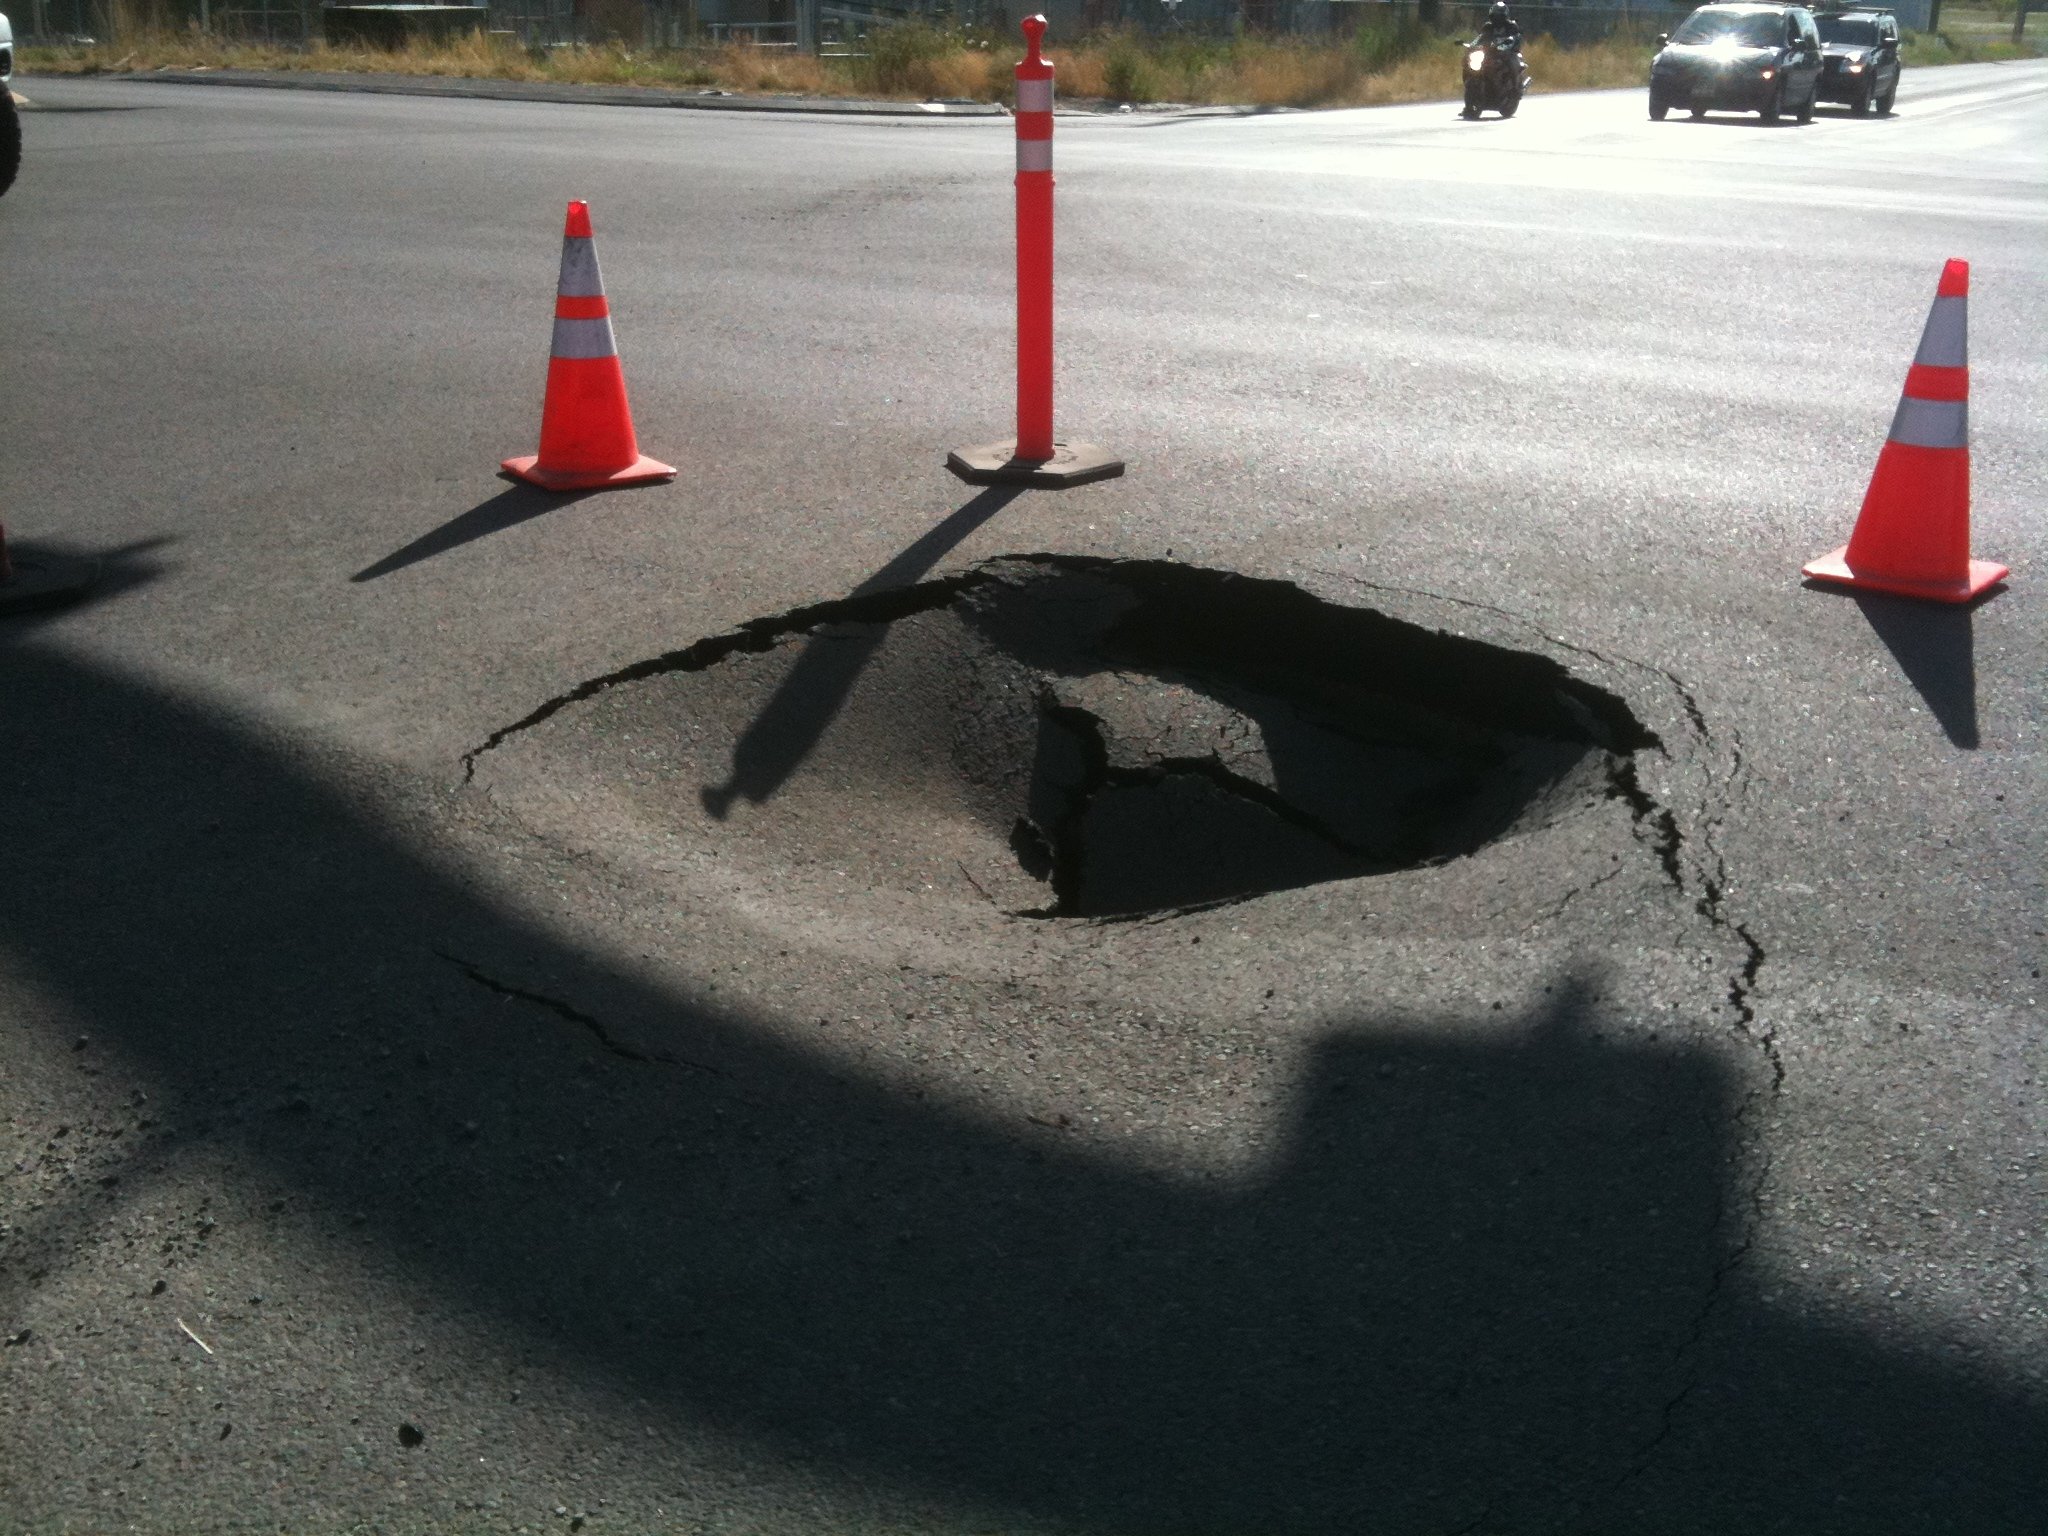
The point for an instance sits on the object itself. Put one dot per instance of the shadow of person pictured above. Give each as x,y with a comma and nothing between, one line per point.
508,509
1935,646
75,580
1479,1278
779,739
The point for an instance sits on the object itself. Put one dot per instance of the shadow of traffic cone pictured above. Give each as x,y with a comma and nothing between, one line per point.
1913,535
586,430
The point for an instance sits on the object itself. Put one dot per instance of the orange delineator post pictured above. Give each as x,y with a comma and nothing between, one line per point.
586,428
1034,456
1034,247
1912,536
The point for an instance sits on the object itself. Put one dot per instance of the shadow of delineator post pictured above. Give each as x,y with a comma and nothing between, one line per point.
1935,646
790,724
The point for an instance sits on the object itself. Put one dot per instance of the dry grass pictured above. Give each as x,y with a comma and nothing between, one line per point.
1960,47
1303,74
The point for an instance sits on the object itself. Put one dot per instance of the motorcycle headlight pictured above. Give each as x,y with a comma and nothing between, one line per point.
1475,59
1766,73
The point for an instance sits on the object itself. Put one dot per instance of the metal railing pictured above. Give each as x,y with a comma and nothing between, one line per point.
292,23
760,34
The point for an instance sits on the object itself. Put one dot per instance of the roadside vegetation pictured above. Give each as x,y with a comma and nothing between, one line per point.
1960,45
1392,61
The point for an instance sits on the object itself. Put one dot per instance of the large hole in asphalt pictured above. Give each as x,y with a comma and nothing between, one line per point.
1120,737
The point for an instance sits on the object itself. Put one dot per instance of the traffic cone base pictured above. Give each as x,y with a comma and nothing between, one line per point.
1835,569
644,471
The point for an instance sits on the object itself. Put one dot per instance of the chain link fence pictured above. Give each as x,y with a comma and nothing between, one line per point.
57,23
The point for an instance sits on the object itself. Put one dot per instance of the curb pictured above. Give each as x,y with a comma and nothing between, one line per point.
548,91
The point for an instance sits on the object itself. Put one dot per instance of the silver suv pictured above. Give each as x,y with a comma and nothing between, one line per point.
1861,50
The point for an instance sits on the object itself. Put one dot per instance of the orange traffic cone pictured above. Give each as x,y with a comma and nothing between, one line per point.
1913,535
586,429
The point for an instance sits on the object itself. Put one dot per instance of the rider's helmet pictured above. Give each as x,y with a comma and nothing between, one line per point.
1499,14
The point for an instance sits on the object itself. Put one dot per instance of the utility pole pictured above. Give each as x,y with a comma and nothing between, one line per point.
2019,20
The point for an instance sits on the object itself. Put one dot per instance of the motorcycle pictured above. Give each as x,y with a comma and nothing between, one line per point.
1495,78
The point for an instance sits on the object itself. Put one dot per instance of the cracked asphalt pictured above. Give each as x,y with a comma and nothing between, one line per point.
522,1012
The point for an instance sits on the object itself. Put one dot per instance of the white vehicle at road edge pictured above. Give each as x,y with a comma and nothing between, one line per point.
10,120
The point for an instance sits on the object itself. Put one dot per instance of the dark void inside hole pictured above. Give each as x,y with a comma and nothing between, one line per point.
1202,736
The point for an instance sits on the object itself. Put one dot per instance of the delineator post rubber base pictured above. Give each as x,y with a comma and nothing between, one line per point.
998,464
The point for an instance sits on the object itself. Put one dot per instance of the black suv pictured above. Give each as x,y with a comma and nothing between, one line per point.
1764,59
1860,60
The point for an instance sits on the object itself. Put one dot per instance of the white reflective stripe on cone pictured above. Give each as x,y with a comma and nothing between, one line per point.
1946,341
1034,154
1932,423
580,278
1034,95
584,338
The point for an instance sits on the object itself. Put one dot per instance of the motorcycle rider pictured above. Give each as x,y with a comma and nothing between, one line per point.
1499,28
1493,71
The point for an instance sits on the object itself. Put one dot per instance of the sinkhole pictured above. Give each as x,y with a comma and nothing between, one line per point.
1084,737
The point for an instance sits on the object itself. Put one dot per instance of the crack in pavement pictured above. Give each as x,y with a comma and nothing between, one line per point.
1668,839
1709,1304
1711,866
573,1015
1665,839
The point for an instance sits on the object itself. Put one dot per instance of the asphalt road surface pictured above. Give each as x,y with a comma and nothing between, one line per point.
477,1058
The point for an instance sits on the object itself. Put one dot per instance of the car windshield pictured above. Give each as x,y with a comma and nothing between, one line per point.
1757,29
1860,30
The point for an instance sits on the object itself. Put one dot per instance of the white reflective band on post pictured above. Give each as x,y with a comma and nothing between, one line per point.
579,270
1034,154
1932,423
1946,341
1034,95
584,338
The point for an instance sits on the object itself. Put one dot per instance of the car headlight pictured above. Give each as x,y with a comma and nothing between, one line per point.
1475,58
1766,73
1854,66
